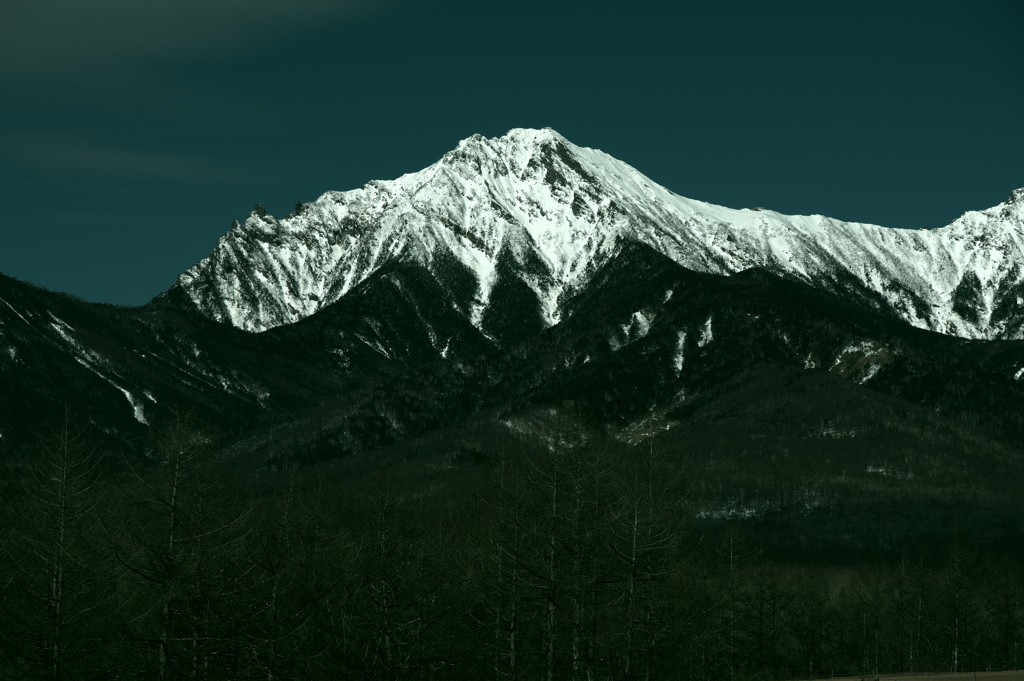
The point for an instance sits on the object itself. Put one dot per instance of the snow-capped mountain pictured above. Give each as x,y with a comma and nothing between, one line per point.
536,208
440,320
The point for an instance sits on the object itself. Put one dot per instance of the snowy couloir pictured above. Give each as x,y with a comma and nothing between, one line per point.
555,212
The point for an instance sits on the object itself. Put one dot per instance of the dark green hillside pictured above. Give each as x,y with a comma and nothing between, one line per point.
812,416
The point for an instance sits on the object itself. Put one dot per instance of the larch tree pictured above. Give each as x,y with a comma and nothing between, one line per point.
57,583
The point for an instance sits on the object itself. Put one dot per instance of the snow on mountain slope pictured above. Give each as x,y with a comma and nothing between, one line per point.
560,211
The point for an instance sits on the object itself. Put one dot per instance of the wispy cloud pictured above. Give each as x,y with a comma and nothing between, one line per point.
98,40
71,154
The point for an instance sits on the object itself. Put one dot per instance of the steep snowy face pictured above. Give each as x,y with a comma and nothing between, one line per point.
524,197
534,206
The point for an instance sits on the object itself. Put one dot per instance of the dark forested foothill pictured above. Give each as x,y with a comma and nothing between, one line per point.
576,557
690,476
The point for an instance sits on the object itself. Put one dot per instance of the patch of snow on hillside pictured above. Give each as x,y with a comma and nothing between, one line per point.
727,512
636,328
854,350
639,325
834,431
890,472
14,311
680,354
870,373
138,408
705,334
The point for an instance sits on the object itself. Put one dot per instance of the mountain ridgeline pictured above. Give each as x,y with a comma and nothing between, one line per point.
834,384
533,205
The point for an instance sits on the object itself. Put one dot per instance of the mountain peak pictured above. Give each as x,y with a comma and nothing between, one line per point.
534,136
512,152
516,137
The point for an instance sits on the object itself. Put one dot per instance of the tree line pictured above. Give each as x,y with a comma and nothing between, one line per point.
573,560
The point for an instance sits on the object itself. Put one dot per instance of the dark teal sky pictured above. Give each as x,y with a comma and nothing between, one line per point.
133,133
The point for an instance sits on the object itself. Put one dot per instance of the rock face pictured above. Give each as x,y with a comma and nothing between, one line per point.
513,227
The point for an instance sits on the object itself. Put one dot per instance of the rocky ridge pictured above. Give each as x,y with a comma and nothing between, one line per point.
531,210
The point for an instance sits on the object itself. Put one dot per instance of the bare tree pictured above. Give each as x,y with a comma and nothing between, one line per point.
501,540
57,577
179,522
1008,608
291,586
402,592
647,532
957,605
